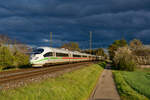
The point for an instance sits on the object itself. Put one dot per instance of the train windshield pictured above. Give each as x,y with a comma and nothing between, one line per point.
38,51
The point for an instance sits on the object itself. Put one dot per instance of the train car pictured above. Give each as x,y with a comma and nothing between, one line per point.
45,55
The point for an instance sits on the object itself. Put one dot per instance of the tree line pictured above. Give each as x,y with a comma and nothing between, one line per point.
74,46
126,56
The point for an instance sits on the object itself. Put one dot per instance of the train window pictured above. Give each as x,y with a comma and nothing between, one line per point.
48,54
76,55
62,54
38,51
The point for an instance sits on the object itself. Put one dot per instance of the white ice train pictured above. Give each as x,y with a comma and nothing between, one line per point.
49,56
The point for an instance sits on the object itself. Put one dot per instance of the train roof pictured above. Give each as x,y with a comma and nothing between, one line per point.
63,50
54,49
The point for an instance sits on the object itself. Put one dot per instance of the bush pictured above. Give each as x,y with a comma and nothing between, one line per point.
20,59
124,60
10,58
142,56
102,64
6,57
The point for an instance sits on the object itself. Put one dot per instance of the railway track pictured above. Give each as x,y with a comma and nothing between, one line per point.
6,77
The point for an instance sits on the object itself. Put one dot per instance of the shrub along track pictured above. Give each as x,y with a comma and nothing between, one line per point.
10,79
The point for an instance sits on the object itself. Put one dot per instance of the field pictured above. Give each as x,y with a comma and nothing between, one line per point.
133,85
75,85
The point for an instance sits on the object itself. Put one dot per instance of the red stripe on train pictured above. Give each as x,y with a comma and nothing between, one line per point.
73,58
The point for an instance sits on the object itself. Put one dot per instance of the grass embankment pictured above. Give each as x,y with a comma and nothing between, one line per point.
76,85
132,85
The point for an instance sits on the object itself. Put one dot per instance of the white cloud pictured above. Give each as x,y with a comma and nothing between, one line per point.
45,40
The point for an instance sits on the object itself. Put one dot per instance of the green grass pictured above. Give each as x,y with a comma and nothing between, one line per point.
143,69
76,85
126,91
139,81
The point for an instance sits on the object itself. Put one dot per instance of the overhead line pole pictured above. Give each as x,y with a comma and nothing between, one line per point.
50,39
90,42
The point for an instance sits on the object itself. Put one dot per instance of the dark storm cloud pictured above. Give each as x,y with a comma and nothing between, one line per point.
31,21
123,20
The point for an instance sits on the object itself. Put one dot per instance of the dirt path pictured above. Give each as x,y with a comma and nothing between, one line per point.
105,89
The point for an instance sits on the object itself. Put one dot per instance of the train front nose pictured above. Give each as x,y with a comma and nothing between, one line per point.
34,61
31,62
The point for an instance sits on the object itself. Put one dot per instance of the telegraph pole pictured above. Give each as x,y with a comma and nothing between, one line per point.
90,42
50,39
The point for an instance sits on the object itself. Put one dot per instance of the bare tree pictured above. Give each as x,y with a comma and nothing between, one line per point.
4,39
71,46
136,44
